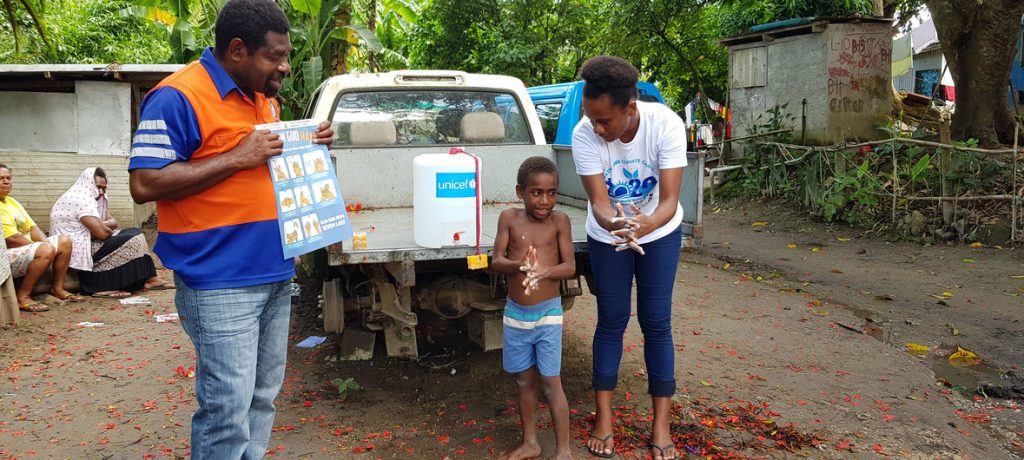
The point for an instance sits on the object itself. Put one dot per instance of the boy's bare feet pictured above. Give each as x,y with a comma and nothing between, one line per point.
562,455
523,452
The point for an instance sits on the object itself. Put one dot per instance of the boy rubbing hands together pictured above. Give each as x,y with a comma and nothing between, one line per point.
534,249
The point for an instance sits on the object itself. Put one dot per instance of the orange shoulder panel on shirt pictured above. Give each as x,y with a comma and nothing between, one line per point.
247,196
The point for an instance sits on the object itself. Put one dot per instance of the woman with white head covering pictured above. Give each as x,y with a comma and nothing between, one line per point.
111,262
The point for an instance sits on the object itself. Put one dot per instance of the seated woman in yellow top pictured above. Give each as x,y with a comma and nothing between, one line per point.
30,251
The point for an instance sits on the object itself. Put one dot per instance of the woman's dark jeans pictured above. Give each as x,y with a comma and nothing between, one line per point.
655,274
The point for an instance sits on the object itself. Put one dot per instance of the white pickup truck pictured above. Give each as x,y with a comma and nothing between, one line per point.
381,122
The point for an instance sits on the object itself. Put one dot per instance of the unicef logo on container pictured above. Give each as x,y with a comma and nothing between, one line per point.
456,185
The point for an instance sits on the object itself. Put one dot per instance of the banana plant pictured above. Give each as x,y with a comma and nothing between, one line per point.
319,26
392,20
33,8
189,23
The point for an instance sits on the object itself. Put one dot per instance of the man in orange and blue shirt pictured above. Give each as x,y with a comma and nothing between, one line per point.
198,156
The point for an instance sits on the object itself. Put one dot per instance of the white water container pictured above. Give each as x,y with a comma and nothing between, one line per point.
444,200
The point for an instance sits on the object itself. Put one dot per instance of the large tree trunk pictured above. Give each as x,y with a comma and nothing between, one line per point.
978,40
371,23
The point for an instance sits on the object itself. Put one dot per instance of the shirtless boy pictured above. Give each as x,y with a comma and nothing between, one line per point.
534,249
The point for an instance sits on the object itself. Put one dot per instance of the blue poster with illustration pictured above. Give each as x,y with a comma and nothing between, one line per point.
310,209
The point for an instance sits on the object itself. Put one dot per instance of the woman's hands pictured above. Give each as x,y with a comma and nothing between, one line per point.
629,229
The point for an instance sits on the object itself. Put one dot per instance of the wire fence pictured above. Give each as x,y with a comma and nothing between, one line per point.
967,187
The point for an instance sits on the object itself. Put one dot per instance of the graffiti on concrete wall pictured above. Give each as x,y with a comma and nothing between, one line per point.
857,55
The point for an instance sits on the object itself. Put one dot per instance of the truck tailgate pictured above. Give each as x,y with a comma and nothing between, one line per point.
389,236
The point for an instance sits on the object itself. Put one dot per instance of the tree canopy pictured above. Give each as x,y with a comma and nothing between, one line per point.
674,43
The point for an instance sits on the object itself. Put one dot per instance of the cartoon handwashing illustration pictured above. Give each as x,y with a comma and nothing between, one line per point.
326,193
279,172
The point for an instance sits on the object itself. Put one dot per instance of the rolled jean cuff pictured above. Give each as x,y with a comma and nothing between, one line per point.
661,389
605,382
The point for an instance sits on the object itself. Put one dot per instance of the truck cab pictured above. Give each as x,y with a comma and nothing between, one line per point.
560,107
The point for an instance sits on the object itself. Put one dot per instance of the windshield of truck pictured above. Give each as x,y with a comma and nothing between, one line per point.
549,112
429,117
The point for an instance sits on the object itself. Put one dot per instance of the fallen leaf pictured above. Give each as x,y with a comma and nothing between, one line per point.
842,239
706,383
952,330
1017,277
884,297
791,246
726,266
815,249
976,245
836,270
759,224
916,349
963,357
969,261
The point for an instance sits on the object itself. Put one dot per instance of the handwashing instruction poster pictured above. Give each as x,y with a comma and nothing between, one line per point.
310,210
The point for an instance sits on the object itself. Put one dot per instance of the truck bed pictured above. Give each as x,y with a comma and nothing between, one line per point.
389,236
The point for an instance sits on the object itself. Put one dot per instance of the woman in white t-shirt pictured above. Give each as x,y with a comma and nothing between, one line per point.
630,156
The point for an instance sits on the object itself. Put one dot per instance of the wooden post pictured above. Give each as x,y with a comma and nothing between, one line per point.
879,8
895,180
1013,201
945,167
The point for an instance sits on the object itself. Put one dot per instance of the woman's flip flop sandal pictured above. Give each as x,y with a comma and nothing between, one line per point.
604,442
661,451
33,307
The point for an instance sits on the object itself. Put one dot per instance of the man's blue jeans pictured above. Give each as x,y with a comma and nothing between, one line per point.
655,275
241,341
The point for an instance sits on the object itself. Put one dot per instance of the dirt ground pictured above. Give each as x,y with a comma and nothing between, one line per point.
782,352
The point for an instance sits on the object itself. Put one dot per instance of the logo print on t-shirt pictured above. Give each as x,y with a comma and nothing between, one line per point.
631,189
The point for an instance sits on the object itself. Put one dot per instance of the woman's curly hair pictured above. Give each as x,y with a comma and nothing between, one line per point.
610,75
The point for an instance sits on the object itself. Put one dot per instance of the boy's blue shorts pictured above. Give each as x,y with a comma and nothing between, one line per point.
533,336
